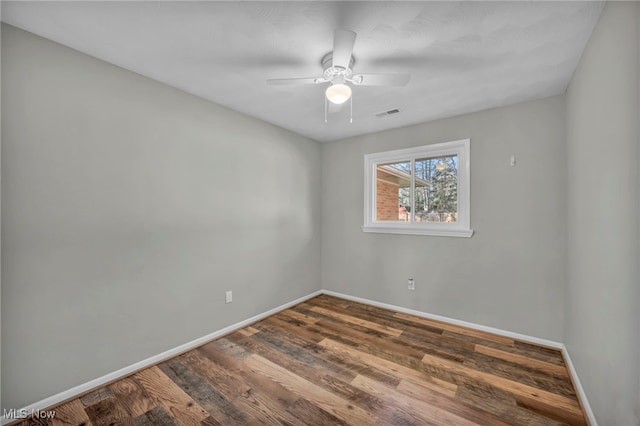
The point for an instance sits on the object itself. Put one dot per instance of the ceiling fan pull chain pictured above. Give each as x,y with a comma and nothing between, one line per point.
326,110
351,111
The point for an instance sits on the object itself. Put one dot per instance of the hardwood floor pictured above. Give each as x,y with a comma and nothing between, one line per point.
330,361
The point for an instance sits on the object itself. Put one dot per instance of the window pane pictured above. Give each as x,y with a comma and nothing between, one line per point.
436,189
393,191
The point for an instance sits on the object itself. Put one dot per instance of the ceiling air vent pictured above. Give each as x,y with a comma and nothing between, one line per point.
389,112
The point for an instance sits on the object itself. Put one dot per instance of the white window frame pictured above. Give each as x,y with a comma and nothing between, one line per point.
461,228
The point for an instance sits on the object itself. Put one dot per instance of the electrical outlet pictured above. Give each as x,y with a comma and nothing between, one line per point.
228,297
411,285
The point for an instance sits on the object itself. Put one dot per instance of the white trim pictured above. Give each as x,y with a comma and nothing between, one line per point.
414,229
578,386
74,392
461,228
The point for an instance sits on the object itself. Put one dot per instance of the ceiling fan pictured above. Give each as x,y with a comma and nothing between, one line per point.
338,71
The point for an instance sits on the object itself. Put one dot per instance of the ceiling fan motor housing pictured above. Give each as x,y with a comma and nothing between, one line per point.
336,74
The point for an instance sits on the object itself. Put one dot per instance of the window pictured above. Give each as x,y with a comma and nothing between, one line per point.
423,190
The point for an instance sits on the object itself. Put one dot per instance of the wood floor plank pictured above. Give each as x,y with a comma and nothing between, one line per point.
71,413
156,416
428,413
333,361
108,412
248,331
448,403
171,397
418,387
370,341
564,404
279,349
266,409
96,396
293,326
456,329
310,344
400,371
265,400
329,402
298,316
551,411
544,366
553,356
521,374
410,386
307,412
355,320
225,382
383,317
133,396
208,396
229,348
329,302
501,403
398,416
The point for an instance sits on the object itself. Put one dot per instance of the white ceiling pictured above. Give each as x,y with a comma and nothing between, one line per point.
463,56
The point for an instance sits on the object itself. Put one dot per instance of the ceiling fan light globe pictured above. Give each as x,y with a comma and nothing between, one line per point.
338,93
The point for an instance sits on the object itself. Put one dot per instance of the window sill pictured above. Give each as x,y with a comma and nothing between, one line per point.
418,230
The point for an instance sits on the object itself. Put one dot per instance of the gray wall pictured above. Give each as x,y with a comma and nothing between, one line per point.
128,208
601,302
511,273
0,209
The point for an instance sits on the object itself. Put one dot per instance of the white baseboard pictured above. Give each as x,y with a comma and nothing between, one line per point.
578,386
76,391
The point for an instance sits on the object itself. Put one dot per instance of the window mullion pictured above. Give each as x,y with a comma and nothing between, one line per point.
412,190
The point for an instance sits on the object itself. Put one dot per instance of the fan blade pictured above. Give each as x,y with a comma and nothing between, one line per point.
400,79
305,80
343,42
